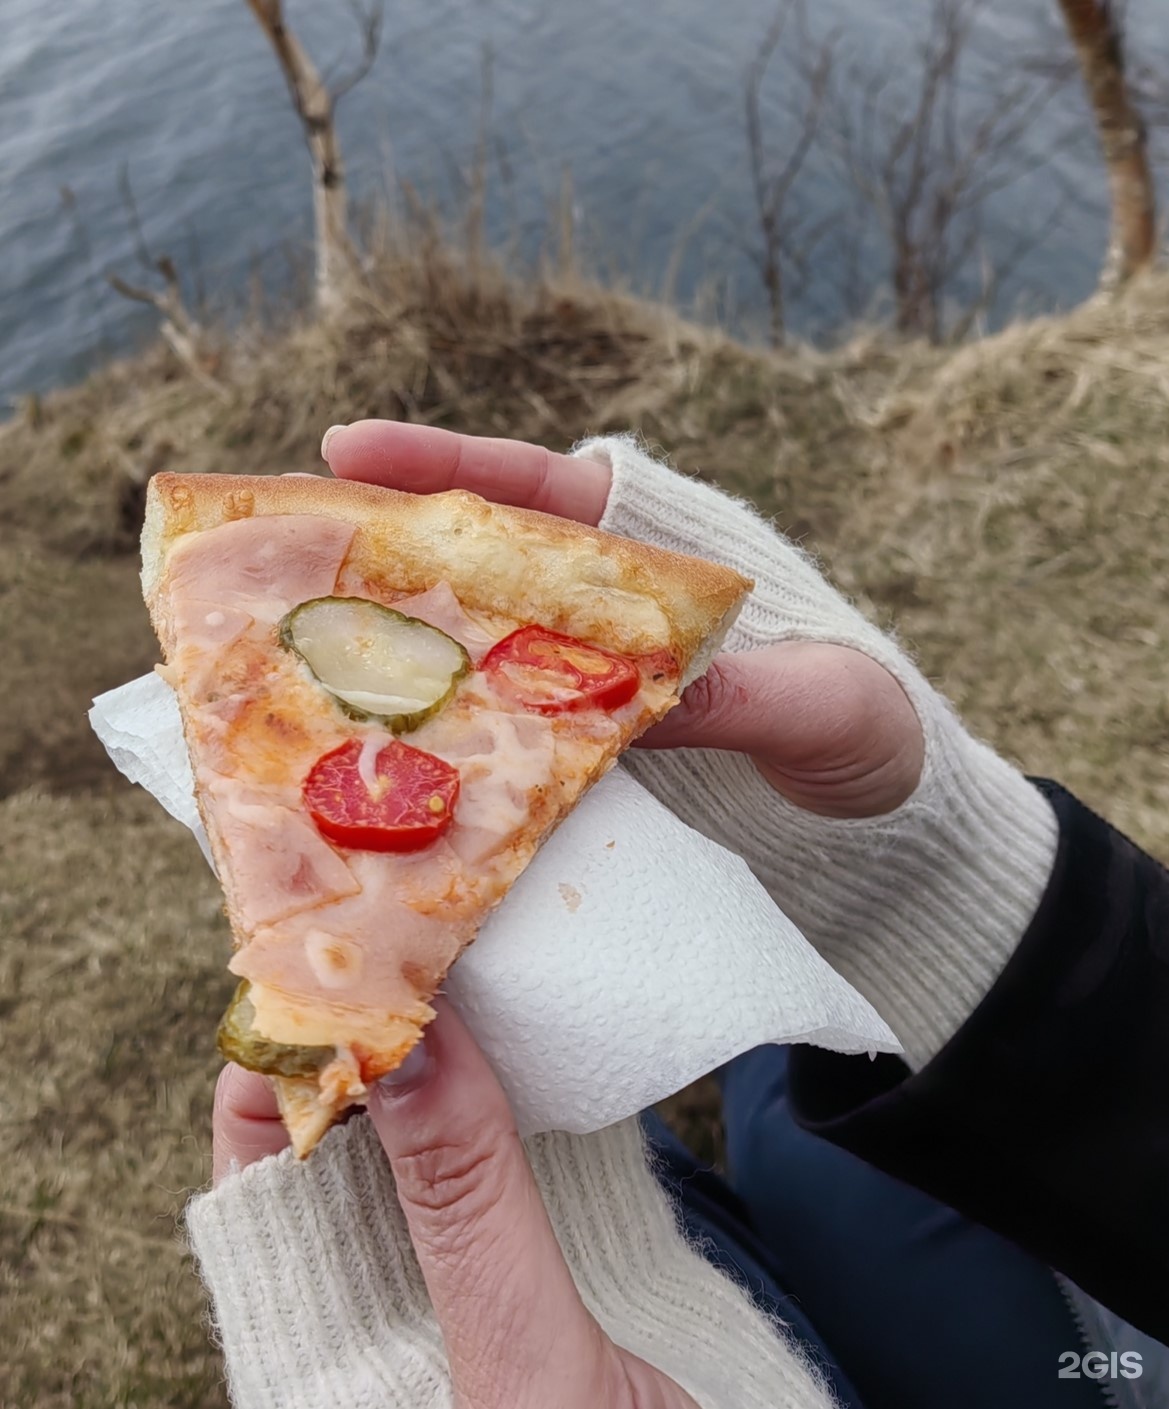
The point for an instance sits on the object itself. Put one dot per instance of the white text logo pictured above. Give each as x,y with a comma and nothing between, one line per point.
1100,1365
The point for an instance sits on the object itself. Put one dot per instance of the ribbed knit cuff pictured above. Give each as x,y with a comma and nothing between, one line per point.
655,504
319,1301
919,909
650,1291
962,868
649,501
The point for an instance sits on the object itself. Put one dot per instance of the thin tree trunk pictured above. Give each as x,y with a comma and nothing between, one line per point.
335,254
1095,33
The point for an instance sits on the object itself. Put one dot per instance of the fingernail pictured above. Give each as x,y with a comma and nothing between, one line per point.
411,1073
328,436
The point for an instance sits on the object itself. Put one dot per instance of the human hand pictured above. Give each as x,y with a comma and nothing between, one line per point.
910,854
516,1332
827,726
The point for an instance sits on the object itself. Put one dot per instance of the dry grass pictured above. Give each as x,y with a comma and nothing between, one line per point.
1005,504
1013,522
109,994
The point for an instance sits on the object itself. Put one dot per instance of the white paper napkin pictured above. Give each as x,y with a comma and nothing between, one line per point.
632,956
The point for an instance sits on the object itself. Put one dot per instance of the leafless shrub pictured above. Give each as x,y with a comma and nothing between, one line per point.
784,238
927,153
922,141
188,339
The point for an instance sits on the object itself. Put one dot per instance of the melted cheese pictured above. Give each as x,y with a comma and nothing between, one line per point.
505,763
343,948
371,746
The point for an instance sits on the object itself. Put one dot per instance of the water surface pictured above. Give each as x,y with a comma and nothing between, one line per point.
642,102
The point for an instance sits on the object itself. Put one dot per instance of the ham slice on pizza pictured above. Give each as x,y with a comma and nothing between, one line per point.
389,701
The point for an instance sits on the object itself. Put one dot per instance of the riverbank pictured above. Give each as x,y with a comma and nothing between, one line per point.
1003,503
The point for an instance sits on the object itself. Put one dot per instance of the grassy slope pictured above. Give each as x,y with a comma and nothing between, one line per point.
1005,504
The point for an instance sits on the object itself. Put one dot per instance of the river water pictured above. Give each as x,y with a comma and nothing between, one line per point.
641,102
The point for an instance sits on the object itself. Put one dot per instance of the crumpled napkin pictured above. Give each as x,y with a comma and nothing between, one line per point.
631,957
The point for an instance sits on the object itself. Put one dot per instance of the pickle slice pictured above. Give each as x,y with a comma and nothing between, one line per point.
238,1041
376,663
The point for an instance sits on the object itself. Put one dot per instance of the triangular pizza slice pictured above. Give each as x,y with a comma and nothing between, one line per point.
389,701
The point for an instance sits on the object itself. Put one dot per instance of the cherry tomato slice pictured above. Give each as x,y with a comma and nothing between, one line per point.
409,806
551,673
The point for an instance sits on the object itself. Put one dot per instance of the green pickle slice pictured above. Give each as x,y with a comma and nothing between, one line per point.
376,662
238,1041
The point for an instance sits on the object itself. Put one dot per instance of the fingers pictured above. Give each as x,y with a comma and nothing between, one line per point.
829,728
426,460
501,1290
245,1121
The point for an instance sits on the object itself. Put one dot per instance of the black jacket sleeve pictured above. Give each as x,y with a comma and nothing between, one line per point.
1046,1116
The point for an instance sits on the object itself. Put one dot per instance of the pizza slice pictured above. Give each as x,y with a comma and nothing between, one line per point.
389,701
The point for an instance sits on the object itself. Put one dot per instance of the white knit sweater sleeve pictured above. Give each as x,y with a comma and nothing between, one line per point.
919,909
319,1301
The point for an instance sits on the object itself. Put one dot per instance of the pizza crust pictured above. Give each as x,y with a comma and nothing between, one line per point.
629,596
305,1115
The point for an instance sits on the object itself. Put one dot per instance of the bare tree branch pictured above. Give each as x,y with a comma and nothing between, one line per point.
72,211
996,273
772,185
182,332
315,105
926,157
369,22
133,220
477,199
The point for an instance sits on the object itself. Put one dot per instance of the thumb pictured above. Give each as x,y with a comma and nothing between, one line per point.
774,702
827,726
501,1290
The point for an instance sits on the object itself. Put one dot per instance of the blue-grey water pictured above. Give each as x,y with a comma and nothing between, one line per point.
642,102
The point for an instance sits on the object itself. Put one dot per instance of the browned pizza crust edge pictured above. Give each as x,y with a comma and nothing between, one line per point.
530,566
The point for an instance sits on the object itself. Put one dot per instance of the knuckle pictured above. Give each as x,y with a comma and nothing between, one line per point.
848,700
871,700
717,694
857,698
225,1104
543,480
453,468
456,1180
221,1097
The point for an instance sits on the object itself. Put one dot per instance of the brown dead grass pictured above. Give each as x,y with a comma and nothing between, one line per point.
1005,504
1013,522
110,923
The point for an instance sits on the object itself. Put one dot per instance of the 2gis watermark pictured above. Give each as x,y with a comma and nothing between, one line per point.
1100,1365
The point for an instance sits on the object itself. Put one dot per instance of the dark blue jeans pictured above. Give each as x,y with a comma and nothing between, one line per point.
902,1302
